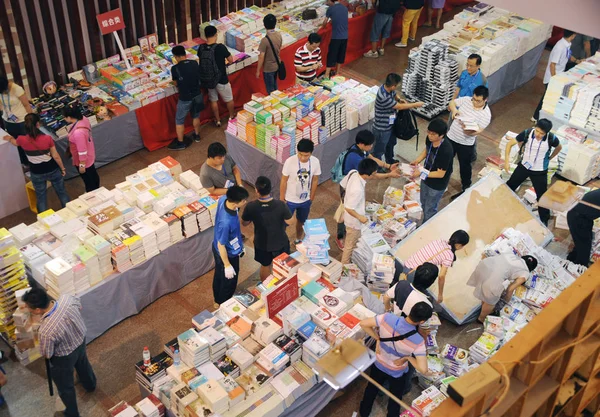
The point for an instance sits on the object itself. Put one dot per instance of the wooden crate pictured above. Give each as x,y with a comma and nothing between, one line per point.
536,373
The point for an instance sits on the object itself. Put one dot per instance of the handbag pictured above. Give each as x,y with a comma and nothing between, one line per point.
281,71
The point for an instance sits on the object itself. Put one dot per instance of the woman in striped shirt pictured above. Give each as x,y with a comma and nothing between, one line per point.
44,161
439,252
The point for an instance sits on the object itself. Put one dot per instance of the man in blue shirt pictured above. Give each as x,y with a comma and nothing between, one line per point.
360,150
470,78
338,14
228,246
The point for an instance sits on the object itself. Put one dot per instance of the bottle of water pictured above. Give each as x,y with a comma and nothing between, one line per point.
176,358
146,356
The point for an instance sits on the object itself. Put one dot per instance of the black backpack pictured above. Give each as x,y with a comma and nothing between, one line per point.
405,126
209,71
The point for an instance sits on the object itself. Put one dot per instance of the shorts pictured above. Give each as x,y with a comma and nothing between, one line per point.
265,257
223,90
382,25
337,52
302,209
192,107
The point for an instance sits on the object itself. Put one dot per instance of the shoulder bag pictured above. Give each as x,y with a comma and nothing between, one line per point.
281,71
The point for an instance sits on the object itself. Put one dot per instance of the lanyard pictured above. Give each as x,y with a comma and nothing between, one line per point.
4,103
223,169
53,309
532,139
309,170
434,156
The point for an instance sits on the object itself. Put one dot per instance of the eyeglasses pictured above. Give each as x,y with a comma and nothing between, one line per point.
471,66
478,100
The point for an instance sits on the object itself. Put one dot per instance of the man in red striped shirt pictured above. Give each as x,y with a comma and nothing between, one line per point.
308,58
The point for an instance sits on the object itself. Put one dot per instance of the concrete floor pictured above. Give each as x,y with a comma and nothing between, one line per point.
113,354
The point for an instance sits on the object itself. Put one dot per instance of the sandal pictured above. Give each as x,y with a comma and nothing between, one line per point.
218,123
427,25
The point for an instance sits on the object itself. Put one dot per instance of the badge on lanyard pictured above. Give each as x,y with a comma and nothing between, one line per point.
392,118
424,174
229,184
527,165
304,196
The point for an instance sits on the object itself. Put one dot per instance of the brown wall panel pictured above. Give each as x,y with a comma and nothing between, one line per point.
160,20
18,14
170,20
109,41
62,37
196,15
179,10
94,34
138,14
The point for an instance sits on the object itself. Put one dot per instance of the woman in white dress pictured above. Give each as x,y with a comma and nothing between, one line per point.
496,275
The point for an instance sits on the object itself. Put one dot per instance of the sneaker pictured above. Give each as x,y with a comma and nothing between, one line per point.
218,123
411,39
371,54
178,146
381,51
196,137
455,196
400,45
340,243
533,119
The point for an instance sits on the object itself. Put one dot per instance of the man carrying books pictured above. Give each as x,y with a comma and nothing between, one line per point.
398,344
270,218
354,204
299,183
62,341
228,246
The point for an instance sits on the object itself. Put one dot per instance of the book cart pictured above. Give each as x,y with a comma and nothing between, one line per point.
530,375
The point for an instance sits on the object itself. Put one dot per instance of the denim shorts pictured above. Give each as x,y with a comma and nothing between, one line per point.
382,25
302,210
183,108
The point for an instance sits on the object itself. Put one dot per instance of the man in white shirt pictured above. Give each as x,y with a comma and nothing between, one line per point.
299,183
471,116
354,204
559,57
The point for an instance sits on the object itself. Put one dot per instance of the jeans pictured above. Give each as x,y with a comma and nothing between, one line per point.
39,185
270,81
223,288
90,179
540,185
466,156
398,386
382,25
430,199
384,144
62,374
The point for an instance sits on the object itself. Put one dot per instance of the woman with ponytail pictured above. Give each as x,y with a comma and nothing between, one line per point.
44,160
439,252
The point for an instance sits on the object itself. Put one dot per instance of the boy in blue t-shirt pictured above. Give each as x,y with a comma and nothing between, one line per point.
227,245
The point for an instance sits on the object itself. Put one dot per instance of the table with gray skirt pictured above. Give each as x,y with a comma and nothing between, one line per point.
252,162
124,294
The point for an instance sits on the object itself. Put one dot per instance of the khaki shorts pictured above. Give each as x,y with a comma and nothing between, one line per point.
222,90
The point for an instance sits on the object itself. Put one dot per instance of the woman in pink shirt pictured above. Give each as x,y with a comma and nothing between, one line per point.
81,146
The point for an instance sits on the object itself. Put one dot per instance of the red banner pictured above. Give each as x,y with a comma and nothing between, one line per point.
111,21
281,296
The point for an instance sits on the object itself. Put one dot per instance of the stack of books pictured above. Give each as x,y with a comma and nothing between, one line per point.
206,319
59,278
136,249
173,166
263,402
272,359
122,409
100,224
147,375
241,326
188,220
240,356
485,347
368,245
228,367
231,337
193,349
293,382
175,227
181,397
12,278
103,249
455,360
216,343
246,298
48,243
67,228
234,391
146,233
191,180
253,378
314,349
316,241
203,218
119,253
81,278
232,308
160,228
382,273
432,325
215,396
265,330
291,346
285,266
150,407
22,234
90,259
211,204
429,399
35,259
332,271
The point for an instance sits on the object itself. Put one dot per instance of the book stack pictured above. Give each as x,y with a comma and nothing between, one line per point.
240,356
90,259
148,408
455,360
146,233
216,343
436,372
136,249
214,395
100,224
291,346
49,218
67,228
175,227
253,378
35,259
243,118
173,166
316,241
382,272
314,349
103,249
332,304
148,375
190,179
246,298
122,409
160,228
485,347
181,397
241,326
231,308
234,391
429,400
59,278
188,220
211,204
332,271
272,359
203,218
193,349
265,330
231,337
285,266
293,382
48,243
12,279
432,325
228,367
206,319
22,234
292,318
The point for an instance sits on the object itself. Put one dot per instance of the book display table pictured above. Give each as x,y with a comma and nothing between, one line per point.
122,295
253,162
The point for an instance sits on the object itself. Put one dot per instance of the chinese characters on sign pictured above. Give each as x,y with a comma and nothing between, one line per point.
111,21
281,296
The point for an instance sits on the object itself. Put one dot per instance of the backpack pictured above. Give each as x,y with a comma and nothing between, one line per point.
337,172
209,71
405,126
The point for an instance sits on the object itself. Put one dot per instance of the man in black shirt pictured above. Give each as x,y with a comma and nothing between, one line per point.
437,167
186,75
270,218
221,56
